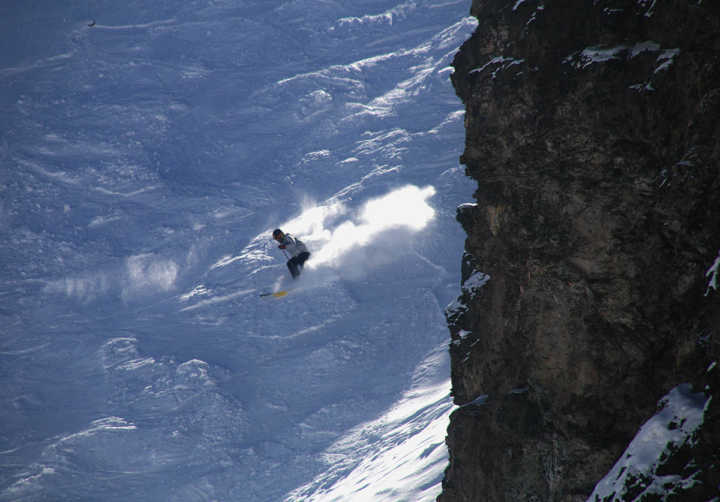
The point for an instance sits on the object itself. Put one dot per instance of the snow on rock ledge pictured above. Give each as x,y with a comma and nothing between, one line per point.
470,288
639,472
475,282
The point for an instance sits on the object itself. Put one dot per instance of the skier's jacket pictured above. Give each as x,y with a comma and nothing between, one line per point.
292,245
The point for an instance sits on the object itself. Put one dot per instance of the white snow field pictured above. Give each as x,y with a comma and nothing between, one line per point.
147,150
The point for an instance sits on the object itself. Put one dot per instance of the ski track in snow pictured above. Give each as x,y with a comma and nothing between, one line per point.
148,152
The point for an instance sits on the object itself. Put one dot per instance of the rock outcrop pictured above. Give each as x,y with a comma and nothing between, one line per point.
593,131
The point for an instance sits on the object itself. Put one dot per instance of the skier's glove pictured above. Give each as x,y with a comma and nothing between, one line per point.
282,246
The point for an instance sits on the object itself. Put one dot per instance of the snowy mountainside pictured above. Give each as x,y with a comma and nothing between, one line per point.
148,149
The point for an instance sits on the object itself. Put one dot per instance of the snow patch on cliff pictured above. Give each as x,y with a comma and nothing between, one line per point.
666,59
500,63
680,414
592,55
647,46
712,273
475,282
470,287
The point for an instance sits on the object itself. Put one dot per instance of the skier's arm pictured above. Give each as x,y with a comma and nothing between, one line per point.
288,243
284,242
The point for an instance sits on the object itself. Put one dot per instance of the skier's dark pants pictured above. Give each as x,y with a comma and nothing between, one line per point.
295,264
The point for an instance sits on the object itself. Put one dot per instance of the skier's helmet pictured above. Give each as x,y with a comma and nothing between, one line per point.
277,233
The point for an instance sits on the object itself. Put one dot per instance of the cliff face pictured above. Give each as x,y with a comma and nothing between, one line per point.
593,130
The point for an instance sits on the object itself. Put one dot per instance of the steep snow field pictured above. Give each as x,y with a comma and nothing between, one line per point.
148,149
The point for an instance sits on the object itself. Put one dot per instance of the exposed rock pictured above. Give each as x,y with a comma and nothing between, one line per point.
593,130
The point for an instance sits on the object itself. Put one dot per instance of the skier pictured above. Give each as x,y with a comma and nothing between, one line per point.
295,249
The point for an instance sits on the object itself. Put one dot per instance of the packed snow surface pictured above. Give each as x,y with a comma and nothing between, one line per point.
148,149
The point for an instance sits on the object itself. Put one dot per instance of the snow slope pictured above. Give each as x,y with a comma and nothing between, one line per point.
147,150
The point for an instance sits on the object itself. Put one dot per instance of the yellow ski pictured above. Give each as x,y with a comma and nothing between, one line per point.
277,294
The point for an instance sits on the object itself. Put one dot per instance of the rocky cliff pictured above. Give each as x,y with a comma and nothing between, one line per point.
589,315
